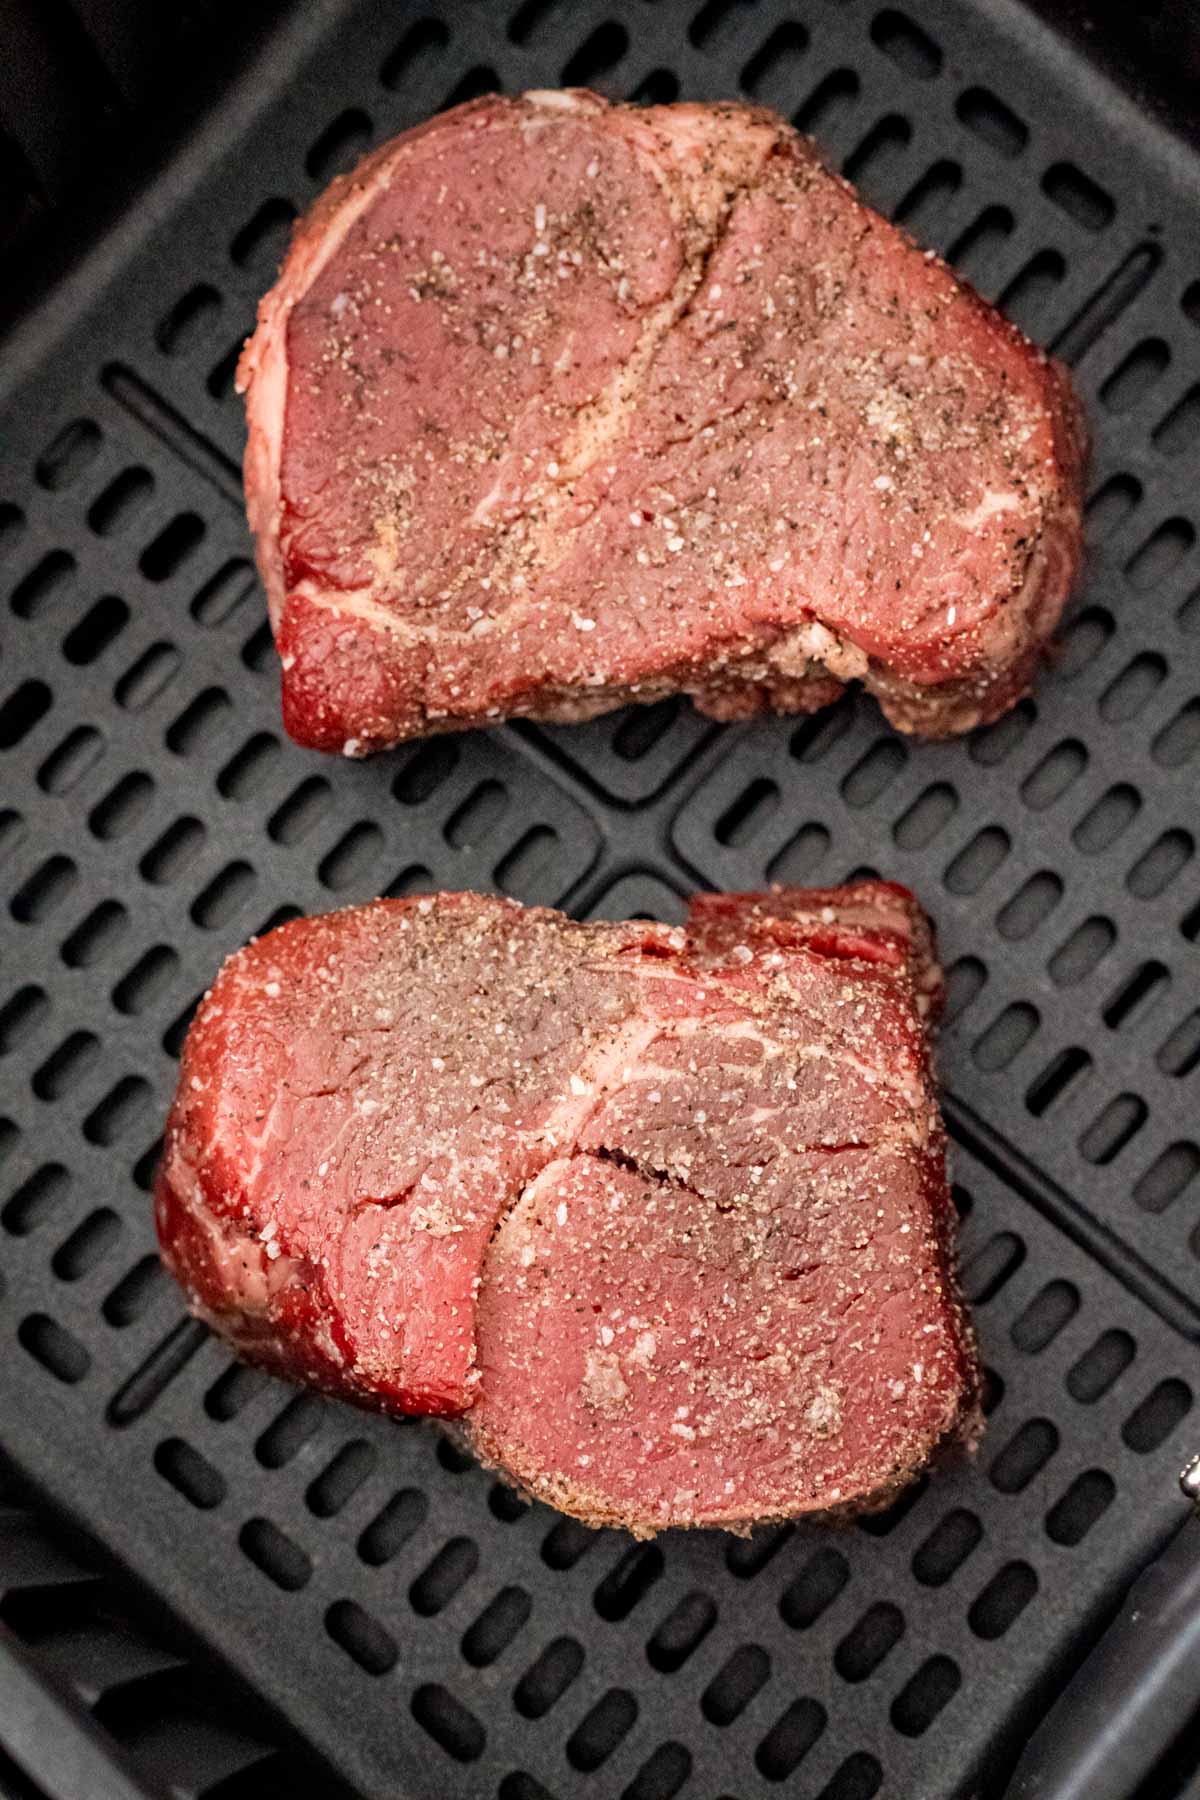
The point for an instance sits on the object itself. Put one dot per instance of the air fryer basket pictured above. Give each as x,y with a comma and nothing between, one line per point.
423,1630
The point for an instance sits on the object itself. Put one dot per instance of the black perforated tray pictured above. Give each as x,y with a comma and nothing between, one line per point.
421,1630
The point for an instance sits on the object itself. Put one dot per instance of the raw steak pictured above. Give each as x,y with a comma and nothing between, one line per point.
558,404
659,1214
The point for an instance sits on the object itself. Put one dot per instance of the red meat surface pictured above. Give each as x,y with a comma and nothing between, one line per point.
872,921
558,404
659,1214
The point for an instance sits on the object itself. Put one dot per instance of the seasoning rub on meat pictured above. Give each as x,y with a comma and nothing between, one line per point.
558,404
658,1215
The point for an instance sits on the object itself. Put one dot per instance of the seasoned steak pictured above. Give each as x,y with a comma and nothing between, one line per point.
659,1214
558,405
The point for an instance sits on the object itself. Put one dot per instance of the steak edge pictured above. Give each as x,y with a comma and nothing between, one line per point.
659,1215
558,405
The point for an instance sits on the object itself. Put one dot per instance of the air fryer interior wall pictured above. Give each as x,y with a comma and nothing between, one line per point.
413,1621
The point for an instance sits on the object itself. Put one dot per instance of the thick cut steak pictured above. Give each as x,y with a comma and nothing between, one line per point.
558,404
660,1215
